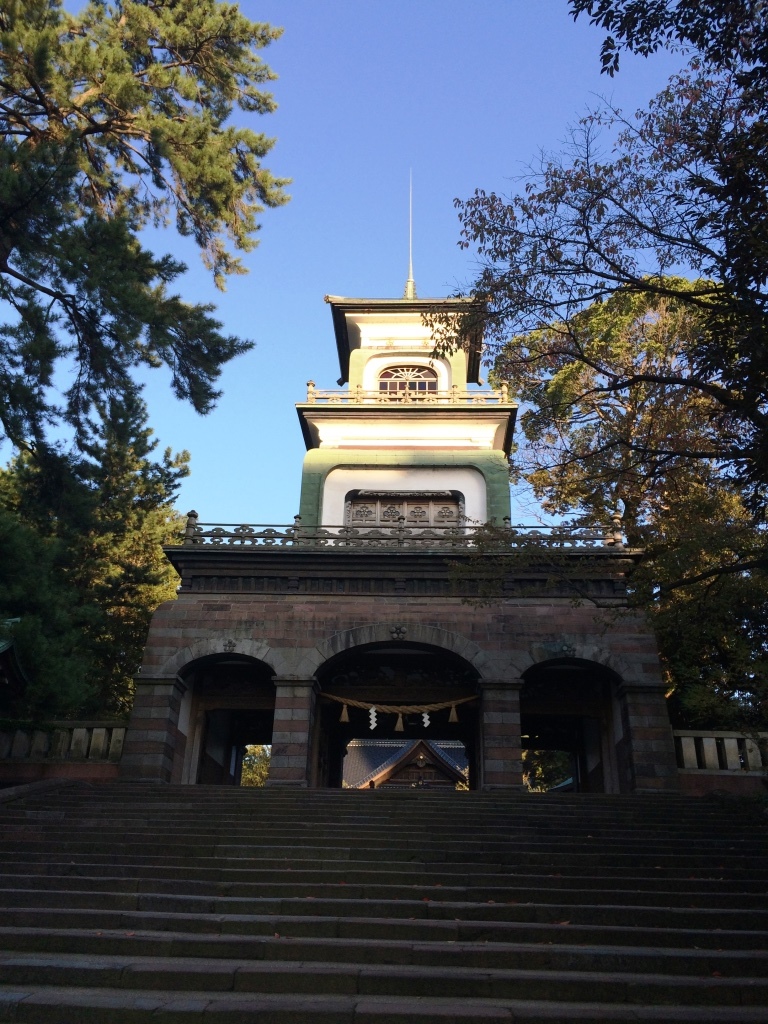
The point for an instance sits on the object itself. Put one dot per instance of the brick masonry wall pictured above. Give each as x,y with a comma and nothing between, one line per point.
285,621
294,633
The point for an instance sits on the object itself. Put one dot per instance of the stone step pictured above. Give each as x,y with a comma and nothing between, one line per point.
307,845
407,904
366,798
509,823
124,903
434,928
722,923
380,804
195,973
54,1005
522,839
374,885
266,858
555,956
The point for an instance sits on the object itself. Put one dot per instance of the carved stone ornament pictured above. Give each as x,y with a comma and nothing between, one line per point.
398,632
229,646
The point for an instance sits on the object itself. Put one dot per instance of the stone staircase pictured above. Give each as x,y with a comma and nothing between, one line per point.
122,903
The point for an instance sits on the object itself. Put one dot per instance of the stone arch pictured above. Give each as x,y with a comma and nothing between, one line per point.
414,633
570,716
259,650
226,701
571,649
403,664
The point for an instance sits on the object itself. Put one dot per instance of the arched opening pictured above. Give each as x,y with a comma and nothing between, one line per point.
570,726
400,383
229,705
401,675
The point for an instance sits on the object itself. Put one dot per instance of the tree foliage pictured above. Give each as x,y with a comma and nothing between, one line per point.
683,189
651,452
112,120
595,447
83,569
38,612
625,291
727,33
545,769
255,770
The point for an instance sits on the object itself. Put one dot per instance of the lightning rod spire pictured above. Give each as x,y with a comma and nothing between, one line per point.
410,284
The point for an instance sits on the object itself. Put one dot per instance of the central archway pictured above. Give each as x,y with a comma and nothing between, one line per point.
399,674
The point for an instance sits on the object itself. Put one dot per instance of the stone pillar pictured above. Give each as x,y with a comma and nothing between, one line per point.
294,713
150,741
502,756
651,747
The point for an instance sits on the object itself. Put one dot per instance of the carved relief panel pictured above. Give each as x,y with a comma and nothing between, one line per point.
436,508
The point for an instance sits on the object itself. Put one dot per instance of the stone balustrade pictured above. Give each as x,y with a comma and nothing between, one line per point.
408,396
403,535
64,741
727,752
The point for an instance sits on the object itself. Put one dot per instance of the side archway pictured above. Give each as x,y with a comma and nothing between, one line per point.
220,647
228,704
571,725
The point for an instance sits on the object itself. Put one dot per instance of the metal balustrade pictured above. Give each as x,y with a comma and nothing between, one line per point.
402,535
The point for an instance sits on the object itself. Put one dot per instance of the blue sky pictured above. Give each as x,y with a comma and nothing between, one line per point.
465,94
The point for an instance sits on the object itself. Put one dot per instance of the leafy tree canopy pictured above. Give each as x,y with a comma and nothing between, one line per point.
728,33
625,297
652,451
112,120
682,190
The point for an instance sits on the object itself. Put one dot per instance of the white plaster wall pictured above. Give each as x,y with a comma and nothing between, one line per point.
401,329
405,429
339,482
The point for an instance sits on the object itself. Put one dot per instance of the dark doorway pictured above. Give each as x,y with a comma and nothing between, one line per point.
228,731
230,704
568,717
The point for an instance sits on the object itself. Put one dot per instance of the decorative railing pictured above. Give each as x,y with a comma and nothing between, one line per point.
63,741
705,750
401,535
451,396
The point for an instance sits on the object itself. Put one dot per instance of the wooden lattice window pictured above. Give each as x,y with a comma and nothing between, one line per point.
436,508
413,380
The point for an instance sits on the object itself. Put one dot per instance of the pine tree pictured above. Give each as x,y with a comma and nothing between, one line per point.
99,519
112,120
